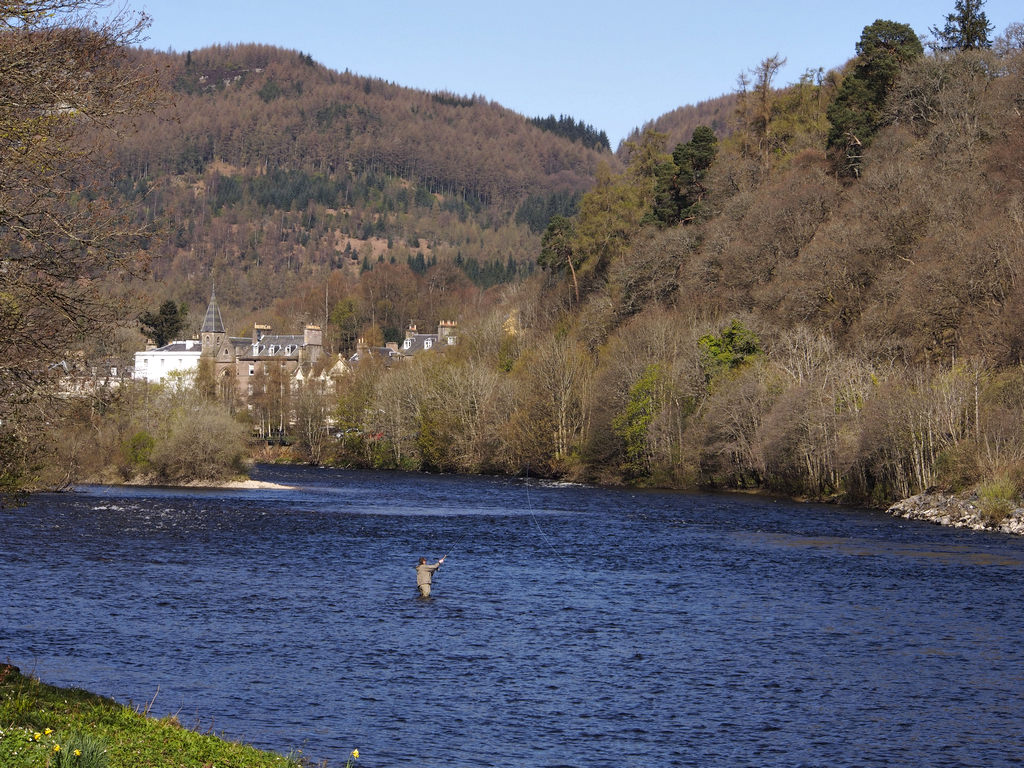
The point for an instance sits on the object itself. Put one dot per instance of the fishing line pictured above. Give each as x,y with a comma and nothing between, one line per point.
536,522
468,528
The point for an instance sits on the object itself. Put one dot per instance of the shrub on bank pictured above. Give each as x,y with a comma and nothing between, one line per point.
997,498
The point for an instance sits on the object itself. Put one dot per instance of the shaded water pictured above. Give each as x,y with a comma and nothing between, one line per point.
570,626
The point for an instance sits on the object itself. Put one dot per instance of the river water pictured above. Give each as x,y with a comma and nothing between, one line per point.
570,626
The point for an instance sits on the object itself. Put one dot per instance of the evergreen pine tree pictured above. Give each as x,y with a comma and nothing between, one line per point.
967,28
857,110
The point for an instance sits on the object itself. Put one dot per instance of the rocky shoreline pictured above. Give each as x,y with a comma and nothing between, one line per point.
243,483
959,511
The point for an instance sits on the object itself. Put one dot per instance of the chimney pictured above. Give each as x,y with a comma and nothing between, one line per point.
258,332
313,336
410,332
313,342
446,333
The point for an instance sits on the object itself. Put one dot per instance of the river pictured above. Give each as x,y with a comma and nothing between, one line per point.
569,626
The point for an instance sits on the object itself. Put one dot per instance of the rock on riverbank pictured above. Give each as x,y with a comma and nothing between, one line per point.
960,511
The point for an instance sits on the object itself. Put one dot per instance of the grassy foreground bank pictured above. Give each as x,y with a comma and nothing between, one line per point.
42,726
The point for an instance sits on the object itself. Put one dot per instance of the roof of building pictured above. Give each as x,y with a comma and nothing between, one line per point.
417,342
270,345
213,323
189,345
385,353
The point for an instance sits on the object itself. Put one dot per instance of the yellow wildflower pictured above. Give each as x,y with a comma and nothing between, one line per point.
355,754
48,731
37,736
56,747
78,753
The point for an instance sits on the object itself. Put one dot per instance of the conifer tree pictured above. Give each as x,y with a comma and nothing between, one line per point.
166,324
679,189
557,248
966,29
857,110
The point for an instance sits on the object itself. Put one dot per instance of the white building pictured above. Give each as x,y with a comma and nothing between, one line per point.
153,365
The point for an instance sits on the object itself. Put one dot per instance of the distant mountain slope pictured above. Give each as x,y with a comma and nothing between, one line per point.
271,168
679,124
257,106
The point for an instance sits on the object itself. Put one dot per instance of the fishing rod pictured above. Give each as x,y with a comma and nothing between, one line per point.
453,546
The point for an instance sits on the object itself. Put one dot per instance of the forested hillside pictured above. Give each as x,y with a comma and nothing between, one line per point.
823,302
270,173
678,125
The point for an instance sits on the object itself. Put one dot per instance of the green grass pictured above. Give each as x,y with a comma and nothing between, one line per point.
42,726
997,498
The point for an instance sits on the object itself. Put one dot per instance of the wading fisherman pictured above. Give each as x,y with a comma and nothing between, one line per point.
424,573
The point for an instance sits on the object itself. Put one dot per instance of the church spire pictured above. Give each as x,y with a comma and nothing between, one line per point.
212,334
213,323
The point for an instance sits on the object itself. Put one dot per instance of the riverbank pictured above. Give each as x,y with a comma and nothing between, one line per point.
258,485
960,511
243,483
43,725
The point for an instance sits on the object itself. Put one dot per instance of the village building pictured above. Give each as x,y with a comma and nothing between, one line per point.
419,342
155,364
388,353
413,344
235,361
80,377
238,363
243,366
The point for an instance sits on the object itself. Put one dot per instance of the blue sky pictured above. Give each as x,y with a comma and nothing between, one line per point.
612,65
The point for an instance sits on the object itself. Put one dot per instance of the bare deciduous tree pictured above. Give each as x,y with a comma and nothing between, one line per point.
66,78
312,411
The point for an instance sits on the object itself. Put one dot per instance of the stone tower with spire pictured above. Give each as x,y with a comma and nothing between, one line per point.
212,334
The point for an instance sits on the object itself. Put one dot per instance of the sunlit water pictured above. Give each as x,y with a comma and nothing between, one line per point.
570,626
